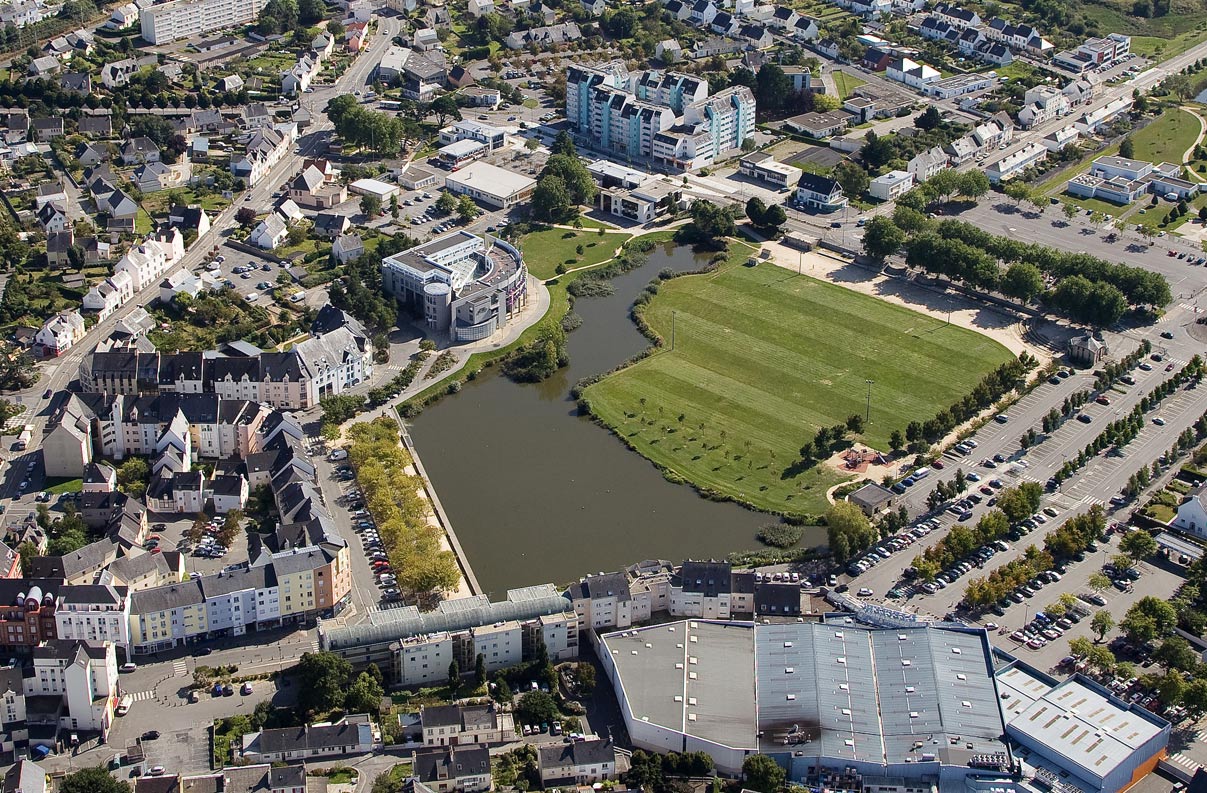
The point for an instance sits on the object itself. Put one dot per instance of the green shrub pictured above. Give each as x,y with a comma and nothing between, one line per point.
779,535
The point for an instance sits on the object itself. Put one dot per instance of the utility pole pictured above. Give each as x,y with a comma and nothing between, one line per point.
673,315
867,417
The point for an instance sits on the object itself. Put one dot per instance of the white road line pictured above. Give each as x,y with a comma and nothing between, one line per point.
179,668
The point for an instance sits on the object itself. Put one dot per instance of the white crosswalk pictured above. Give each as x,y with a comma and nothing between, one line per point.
140,696
179,668
1183,760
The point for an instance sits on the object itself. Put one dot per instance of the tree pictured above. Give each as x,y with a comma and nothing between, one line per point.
1101,623
710,226
447,203
1099,582
973,184
196,532
1069,210
370,206
755,209
364,695
1194,698
564,144
1127,148
536,707
848,530
773,89
454,674
1150,618
896,441
467,210
853,179
445,108
1017,191
480,669
763,774
1176,653
1022,281
929,119
132,477
322,677
92,780
551,200
882,238
1139,545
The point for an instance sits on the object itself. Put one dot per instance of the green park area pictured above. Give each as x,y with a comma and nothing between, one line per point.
762,358
845,83
1168,138
545,250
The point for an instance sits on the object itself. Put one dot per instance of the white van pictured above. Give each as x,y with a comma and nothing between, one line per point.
338,454
123,707
921,473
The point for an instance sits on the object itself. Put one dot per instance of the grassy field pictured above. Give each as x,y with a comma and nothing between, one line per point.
1094,204
762,358
1167,138
545,250
846,83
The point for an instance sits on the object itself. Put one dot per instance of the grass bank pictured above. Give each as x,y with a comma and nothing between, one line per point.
761,359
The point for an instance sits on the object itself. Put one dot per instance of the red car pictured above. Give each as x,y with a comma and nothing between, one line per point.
1172,253
938,464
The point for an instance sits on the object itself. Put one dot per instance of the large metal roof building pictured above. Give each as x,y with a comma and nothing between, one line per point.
916,703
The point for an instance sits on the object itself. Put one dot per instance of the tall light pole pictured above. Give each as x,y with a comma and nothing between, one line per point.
867,417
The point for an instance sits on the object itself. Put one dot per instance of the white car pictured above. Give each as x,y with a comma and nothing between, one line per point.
865,592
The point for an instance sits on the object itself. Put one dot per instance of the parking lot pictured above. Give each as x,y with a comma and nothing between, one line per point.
247,274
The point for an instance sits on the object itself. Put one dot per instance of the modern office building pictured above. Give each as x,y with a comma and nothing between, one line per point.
183,19
465,285
491,185
825,700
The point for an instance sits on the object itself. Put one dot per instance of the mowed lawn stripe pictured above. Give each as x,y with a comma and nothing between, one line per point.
763,357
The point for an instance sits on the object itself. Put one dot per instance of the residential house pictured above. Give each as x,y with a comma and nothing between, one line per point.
311,189
461,725
1015,163
53,217
453,769
819,192
269,233
552,35
139,150
915,75
347,247
58,247
330,225
1192,513
351,735
926,164
76,83
59,333
889,186
46,129
577,763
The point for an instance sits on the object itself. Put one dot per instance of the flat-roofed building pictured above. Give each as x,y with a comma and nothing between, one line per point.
916,703
183,19
1078,732
491,185
762,166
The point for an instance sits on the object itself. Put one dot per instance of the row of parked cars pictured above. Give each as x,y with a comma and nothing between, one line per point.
1046,628
375,552
887,547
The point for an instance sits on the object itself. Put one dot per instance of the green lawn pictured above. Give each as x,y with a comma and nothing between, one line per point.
762,358
1094,204
545,250
846,83
65,486
1167,138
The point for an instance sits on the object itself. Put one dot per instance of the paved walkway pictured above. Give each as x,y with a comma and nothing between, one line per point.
1186,157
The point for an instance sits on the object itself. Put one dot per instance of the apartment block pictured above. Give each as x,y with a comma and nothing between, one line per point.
184,19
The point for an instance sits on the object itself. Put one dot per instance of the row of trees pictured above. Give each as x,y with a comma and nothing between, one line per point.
1014,504
414,547
1123,431
383,133
1139,286
326,682
1075,534
828,440
982,592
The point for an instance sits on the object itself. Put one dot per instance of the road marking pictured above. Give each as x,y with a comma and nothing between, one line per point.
1182,759
140,696
179,668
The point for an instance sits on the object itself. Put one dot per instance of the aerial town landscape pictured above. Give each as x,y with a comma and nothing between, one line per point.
450,396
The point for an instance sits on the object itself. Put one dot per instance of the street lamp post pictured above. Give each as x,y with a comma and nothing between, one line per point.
867,416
